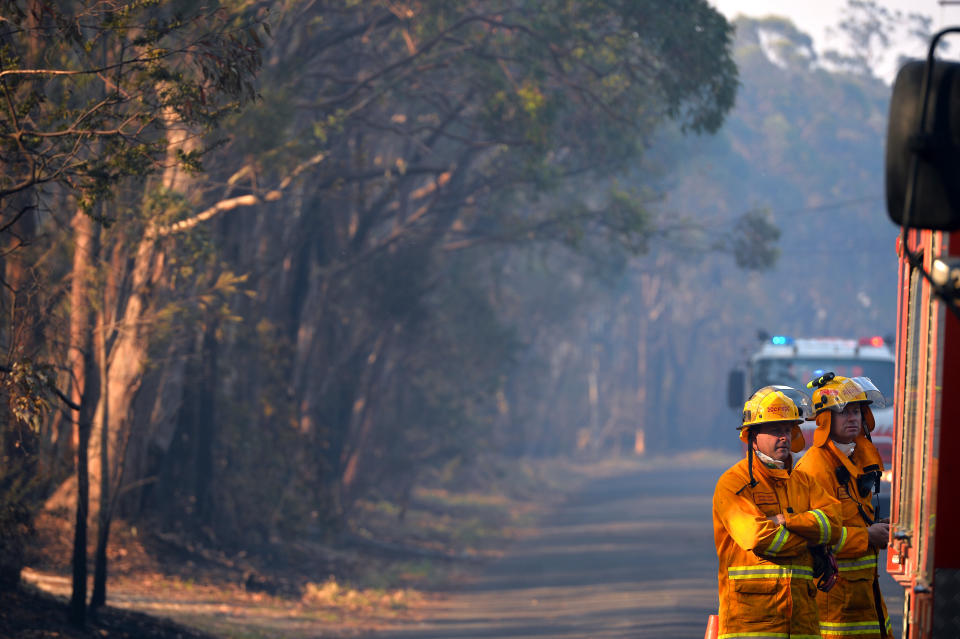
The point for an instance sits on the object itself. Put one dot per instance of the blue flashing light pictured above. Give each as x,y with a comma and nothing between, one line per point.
781,340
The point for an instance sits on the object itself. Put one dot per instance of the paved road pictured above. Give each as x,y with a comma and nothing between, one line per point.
627,557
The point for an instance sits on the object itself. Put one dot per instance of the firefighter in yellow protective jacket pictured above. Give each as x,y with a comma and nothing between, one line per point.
844,461
766,518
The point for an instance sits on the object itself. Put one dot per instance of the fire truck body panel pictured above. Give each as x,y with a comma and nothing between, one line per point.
924,555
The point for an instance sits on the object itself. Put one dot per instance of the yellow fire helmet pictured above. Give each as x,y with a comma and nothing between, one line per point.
836,393
777,404
832,394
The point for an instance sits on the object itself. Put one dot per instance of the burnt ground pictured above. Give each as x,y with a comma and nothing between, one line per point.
379,571
628,553
33,614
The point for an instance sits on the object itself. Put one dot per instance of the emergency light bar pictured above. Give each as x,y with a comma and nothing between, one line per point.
781,340
876,340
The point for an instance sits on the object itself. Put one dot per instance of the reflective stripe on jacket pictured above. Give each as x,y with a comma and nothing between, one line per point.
850,609
765,574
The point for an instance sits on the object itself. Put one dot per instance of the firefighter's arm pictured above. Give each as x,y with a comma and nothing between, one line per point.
751,529
852,542
822,523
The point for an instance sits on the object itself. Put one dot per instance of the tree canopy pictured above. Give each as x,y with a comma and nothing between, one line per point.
92,109
318,284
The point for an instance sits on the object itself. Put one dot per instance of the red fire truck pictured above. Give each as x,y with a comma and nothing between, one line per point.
923,196
793,361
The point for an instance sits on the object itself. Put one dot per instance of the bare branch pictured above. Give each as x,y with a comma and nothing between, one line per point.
234,202
189,223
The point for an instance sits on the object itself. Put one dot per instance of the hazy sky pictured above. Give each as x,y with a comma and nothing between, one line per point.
815,16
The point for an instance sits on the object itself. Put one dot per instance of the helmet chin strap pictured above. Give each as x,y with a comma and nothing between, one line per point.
750,455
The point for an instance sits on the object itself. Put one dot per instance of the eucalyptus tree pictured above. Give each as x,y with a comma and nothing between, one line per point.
99,97
424,136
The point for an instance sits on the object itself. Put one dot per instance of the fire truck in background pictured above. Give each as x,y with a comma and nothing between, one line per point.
790,361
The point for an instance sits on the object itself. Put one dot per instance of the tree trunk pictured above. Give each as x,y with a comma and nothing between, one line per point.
84,424
130,351
361,424
205,426
99,597
84,393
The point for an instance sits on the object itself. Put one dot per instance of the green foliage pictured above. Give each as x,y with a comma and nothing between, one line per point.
517,96
792,188
755,237
789,188
349,340
260,431
629,220
26,388
91,88
454,363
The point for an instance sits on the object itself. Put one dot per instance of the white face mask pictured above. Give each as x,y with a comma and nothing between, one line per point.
846,449
770,461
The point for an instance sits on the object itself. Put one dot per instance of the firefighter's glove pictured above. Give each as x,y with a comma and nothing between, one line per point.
824,567
879,535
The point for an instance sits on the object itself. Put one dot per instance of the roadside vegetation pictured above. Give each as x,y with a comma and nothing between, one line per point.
389,571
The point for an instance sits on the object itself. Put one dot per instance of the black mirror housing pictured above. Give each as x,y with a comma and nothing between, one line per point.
736,383
937,152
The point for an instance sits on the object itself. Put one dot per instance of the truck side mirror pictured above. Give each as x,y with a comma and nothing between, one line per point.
937,150
736,382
